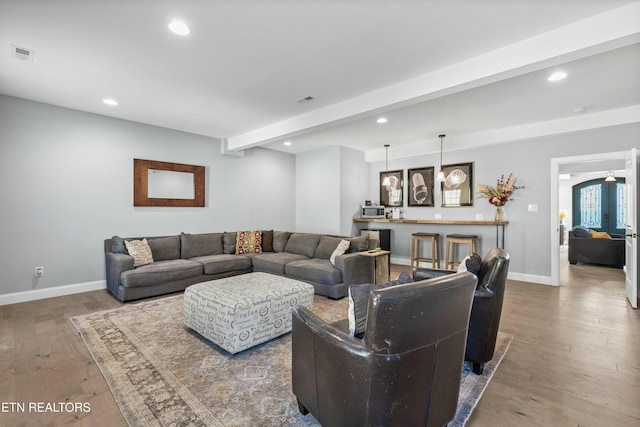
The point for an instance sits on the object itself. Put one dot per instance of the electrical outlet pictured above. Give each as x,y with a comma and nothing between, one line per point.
39,271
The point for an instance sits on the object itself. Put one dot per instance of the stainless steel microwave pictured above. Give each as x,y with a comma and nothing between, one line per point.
372,212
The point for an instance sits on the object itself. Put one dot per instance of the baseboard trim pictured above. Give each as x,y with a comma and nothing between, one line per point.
56,291
521,277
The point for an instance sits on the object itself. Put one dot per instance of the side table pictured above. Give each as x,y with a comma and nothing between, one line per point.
380,265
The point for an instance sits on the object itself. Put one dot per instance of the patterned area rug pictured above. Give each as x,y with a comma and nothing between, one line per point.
162,374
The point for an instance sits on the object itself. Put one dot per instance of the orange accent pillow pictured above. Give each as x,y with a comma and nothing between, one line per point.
599,234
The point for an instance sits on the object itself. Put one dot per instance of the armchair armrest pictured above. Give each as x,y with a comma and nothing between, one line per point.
355,268
430,273
327,331
319,350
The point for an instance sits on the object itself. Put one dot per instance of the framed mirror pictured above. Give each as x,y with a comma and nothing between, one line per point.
158,183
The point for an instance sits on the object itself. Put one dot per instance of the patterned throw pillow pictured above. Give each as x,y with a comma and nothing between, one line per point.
140,251
340,250
471,263
248,242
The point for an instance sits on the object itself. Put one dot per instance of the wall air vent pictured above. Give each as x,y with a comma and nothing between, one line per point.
306,99
22,53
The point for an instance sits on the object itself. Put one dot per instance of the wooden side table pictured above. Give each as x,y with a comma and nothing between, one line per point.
380,265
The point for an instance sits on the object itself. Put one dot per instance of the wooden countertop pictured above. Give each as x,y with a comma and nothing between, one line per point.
431,221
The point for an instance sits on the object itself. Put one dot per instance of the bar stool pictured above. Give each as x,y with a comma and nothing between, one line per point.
416,239
452,241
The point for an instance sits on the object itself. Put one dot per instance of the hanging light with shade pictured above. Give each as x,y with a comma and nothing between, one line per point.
440,177
386,181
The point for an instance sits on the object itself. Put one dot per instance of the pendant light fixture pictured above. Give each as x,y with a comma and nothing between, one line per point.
610,177
440,177
386,181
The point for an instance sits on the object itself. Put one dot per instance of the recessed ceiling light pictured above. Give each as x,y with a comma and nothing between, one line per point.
287,143
179,28
382,120
557,76
110,101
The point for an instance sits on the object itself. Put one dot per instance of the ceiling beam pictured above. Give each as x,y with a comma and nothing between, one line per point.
610,30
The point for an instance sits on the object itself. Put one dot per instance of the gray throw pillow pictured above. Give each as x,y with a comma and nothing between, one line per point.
359,300
118,246
359,244
580,231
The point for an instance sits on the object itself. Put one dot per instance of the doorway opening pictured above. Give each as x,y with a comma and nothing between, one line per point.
574,170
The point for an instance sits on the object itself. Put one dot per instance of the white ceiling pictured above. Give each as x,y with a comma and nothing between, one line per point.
467,68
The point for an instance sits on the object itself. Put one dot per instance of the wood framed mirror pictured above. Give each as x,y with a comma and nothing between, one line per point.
158,183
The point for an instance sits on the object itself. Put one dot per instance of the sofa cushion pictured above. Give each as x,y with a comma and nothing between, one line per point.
267,240
229,242
161,272
326,246
165,248
280,239
248,242
140,251
580,231
274,262
359,300
303,244
359,244
214,264
314,270
196,245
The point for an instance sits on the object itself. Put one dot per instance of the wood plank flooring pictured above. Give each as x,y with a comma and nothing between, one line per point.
574,361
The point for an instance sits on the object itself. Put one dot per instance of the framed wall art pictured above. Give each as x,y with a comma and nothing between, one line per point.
420,186
457,188
392,195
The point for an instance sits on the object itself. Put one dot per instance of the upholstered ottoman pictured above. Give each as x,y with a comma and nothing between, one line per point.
239,312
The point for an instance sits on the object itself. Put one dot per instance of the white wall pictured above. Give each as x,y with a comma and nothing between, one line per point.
527,235
354,183
318,191
330,186
66,179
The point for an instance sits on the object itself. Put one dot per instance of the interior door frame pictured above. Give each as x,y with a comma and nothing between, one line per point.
554,210
631,241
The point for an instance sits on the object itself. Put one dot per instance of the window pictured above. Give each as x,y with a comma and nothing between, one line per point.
600,205
591,206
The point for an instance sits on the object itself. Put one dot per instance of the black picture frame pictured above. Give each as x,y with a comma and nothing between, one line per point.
420,186
456,194
392,196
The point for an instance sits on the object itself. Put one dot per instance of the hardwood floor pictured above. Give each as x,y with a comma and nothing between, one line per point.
574,361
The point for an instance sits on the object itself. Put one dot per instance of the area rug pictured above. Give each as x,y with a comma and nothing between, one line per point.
163,374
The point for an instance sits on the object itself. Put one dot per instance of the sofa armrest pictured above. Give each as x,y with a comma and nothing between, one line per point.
355,268
116,264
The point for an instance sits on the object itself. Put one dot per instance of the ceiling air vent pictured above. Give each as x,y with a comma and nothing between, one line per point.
22,53
306,99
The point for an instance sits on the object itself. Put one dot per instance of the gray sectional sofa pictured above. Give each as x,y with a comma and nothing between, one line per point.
185,259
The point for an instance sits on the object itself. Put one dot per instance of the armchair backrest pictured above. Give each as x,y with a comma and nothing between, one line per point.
416,335
405,317
494,270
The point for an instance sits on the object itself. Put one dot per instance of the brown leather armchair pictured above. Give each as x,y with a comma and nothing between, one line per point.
487,306
406,370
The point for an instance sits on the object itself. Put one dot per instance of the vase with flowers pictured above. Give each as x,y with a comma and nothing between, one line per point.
499,195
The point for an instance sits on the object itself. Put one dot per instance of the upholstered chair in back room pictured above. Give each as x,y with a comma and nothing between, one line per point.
487,305
405,371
